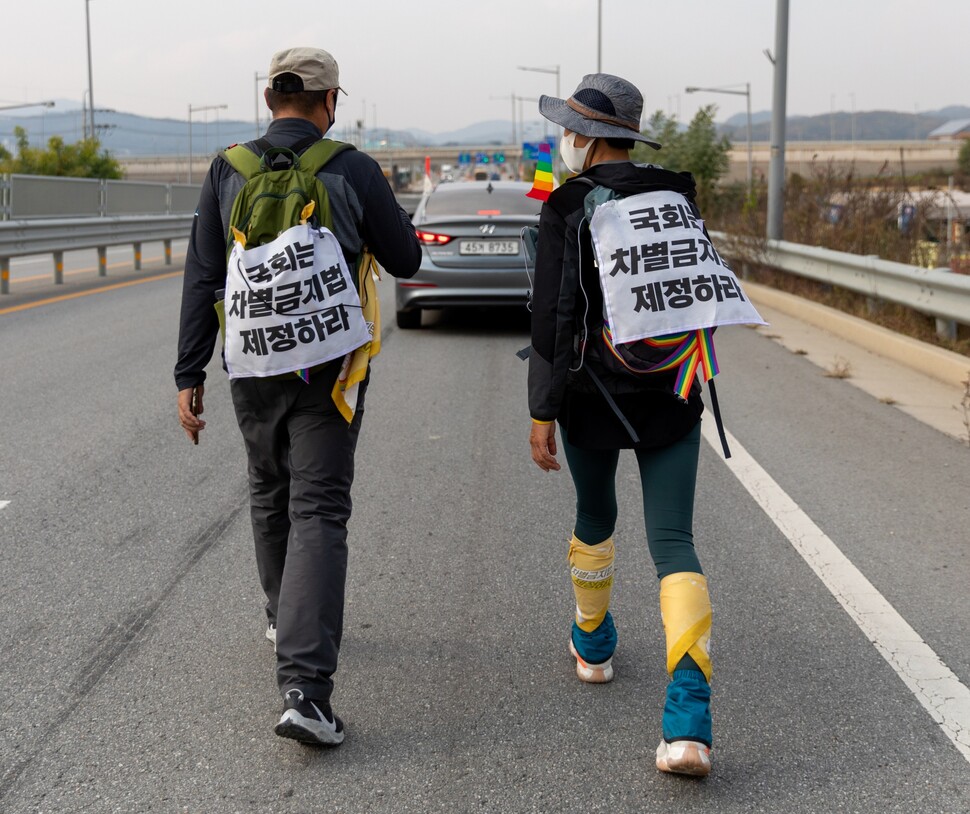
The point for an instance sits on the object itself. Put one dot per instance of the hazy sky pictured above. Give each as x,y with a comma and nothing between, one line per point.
437,64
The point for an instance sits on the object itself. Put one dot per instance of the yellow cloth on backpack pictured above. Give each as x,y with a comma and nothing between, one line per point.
686,610
354,368
591,569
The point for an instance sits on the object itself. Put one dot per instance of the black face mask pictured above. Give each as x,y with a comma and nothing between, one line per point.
333,118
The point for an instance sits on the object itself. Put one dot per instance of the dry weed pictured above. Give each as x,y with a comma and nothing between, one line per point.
965,406
834,208
841,369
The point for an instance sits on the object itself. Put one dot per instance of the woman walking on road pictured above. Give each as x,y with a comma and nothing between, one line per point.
601,122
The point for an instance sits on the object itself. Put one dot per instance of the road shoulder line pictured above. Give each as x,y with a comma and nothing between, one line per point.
935,686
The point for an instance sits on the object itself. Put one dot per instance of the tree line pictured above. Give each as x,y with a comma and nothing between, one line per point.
82,159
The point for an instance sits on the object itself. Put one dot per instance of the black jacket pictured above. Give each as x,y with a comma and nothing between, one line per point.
567,303
364,211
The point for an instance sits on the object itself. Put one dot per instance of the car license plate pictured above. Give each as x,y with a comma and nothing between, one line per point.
486,247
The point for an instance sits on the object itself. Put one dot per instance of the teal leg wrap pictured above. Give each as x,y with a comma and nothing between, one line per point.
598,646
687,712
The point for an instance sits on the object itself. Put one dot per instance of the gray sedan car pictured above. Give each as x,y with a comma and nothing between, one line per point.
471,234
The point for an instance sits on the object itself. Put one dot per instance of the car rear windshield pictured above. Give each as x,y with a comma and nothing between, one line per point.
476,200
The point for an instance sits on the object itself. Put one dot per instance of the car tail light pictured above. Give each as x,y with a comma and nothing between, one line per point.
432,238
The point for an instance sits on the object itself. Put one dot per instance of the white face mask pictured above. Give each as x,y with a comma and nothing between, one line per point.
572,156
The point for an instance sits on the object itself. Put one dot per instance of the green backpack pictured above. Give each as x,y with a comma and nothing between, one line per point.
279,184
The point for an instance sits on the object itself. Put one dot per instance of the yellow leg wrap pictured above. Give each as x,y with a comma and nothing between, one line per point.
591,568
686,610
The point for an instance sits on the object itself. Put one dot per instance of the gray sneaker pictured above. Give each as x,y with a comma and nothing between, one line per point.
271,633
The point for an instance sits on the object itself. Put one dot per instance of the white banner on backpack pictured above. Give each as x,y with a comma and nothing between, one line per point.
659,272
290,304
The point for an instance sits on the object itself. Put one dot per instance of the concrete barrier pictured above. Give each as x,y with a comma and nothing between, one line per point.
946,366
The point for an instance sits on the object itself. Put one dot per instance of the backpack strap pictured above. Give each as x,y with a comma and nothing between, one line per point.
317,152
613,405
242,160
314,157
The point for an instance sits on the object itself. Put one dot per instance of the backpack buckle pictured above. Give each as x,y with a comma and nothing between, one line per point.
279,158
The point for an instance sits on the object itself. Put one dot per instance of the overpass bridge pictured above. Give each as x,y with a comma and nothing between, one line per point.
867,158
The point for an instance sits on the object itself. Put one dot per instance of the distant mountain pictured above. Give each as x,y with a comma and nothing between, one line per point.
496,131
125,134
870,125
952,112
741,119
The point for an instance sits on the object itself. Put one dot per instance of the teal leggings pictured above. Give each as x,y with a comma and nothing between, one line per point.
667,478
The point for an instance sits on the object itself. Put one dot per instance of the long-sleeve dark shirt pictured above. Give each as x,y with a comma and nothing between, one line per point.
365,212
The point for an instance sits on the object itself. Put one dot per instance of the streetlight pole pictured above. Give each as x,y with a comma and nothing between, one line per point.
26,104
554,70
87,20
746,93
197,109
776,171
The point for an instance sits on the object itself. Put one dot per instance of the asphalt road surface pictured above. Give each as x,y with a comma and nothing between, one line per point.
135,677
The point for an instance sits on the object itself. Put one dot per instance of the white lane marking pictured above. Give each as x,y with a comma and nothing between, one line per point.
935,686
4,504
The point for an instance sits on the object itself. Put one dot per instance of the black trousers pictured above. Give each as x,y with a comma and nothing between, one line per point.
301,468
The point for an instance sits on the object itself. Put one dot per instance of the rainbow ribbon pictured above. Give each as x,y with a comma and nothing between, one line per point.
542,183
690,351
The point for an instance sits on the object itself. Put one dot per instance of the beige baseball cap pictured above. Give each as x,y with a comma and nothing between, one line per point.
299,69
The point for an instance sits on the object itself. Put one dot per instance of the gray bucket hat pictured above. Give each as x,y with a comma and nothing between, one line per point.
603,106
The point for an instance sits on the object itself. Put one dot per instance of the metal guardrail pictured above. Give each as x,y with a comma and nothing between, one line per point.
56,236
25,197
934,292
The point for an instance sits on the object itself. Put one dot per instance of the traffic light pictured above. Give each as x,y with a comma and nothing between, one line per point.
499,158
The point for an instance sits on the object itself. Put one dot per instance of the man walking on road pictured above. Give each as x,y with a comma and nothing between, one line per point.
300,446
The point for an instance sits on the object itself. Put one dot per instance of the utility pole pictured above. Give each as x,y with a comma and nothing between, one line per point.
511,96
196,109
556,71
776,170
258,78
87,19
599,36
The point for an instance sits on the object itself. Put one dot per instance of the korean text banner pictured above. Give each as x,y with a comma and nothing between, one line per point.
290,304
659,272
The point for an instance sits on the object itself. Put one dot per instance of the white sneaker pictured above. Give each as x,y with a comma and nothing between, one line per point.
271,634
684,757
591,673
